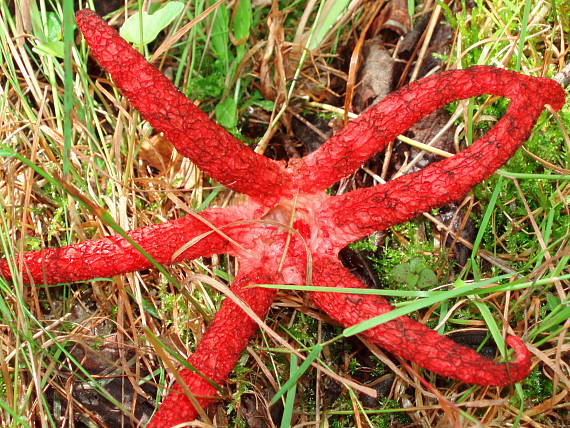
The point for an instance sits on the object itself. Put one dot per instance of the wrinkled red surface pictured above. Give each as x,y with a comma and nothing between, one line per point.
223,332
323,224
179,119
409,338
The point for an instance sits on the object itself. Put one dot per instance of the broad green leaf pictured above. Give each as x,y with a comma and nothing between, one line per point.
53,48
256,100
152,24
416,264
226,113
220,35
400,272
427,278
415,273
327,20
50,31
412,279
552,301
242,21
266,105
53,27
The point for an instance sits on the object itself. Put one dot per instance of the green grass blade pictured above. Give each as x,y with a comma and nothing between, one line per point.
296,374
290,400
68,44
523,33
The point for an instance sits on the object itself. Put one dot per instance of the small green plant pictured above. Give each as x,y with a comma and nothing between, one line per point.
143,27
48,34
414,274
353,366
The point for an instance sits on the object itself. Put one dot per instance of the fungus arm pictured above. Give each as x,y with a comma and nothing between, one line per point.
373,130
193,134
114,255
219,350
410,339
366,210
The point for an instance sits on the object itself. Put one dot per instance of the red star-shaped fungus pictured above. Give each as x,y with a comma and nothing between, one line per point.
302,228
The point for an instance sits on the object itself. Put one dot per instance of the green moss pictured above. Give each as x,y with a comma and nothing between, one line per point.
237,422
32,243
177,303
365,244
537,387
387,420
341,422
210,86
379,366
353,366
304,330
